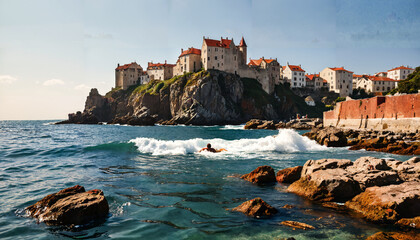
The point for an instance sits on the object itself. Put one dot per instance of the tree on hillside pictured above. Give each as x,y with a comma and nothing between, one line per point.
409,85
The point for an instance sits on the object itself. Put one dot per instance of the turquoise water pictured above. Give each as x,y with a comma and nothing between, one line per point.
157,186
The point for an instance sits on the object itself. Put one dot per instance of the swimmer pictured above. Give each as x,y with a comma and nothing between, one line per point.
210,149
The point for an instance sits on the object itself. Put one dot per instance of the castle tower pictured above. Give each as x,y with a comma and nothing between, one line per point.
243,48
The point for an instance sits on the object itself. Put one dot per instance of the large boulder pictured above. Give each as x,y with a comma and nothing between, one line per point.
410,169
376,178
299,225
289,175
312,166
329,136
261,175
70,206
326,185
388,203
256,208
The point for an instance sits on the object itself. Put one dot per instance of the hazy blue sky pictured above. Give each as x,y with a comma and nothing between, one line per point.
52,52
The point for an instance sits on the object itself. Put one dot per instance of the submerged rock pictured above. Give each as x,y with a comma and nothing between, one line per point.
289,175
299,225
70,206
394,236
388,203
256,208
261,175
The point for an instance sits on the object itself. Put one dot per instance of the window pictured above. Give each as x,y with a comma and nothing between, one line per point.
295,78
218,65
234,58
222,56
208,58
215,57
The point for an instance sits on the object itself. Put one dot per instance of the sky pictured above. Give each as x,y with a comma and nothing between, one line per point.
53,52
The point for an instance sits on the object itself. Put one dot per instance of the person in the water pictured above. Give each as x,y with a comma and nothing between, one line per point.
210,149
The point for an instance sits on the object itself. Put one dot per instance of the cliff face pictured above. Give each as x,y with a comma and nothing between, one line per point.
203,98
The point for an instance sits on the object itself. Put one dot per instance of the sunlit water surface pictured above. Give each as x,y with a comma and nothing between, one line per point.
158,186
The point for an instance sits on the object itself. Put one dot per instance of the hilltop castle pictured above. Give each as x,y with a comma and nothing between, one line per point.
221,55
224,55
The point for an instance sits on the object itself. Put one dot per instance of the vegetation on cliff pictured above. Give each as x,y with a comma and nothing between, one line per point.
409,85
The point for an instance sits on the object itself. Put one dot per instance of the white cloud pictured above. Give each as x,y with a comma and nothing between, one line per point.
7,79
53,82
82,87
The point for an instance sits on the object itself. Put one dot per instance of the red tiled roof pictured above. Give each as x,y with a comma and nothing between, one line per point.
257,62
360,76
311,76
242,43
158,65
402,67
340,69
375,78
294,68
224,43
191,51
125,66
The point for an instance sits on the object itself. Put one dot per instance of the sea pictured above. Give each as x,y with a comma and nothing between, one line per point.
157,184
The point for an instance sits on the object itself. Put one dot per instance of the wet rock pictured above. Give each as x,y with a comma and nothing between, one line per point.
70,206
326,185
312,166
409,222
388,203
252,124
267,125
261,175
288,206
289,175
299,225
335,206
369,163
256,208
394,236
330,136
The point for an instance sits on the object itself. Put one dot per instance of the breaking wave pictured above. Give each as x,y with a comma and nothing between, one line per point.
287,140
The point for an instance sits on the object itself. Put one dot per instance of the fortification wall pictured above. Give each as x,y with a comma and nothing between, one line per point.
378,113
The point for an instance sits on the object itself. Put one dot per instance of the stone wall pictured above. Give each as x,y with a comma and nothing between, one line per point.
393,113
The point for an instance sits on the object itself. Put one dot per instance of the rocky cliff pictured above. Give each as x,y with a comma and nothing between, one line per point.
202,98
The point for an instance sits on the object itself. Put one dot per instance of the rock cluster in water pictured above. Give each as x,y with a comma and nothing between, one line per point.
381,190
70,206
405,143
299,124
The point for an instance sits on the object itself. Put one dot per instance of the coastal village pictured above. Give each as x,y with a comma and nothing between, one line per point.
225,55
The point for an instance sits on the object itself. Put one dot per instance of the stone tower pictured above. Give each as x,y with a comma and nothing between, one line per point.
242,48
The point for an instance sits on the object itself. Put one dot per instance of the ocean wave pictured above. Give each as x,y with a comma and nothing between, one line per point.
113,147
287,140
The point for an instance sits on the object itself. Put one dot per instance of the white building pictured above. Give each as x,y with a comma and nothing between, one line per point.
160,71
399,73
374,84
294,75
339,80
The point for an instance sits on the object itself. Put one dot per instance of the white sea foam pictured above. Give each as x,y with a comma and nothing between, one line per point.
233,127
287,140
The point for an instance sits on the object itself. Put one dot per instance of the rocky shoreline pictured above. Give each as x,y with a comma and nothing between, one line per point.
403,143
382,191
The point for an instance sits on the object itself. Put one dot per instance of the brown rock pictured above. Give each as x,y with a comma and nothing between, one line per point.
326,185
388,203
252,124
335,206
312,166
70,206
409,222
267,125
255,208
394,236
299,225
288,206
261,175
289,175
